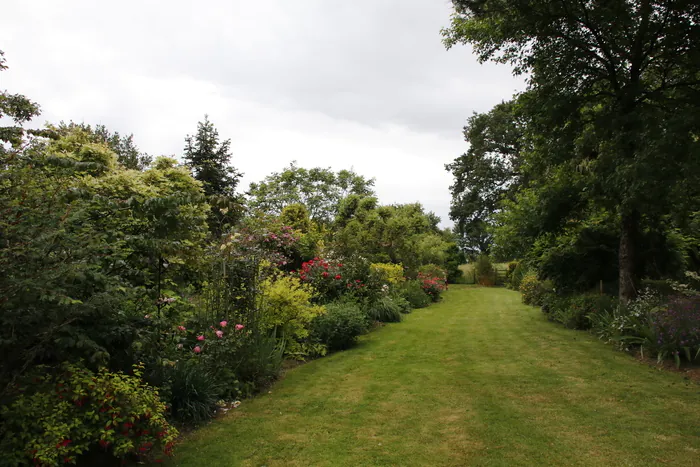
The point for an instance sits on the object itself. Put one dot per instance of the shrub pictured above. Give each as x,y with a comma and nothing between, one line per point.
517,276
509,272
62,415
454,258
259,363
532,289
328,279
403,304
413,293
288,312
677,329
433,286
433,270
578,311
484,271
194,392
384,310
387,273
339,327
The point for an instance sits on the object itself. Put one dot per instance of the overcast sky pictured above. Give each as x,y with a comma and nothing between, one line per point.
365,84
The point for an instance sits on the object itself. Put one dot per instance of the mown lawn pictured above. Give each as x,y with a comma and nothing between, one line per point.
478,379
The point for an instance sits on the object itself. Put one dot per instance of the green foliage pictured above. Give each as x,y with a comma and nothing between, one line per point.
399,234
340,326
608,132
578,311
413,293
454,259
433,270
210,160
319,190
485,175
83,266
532,289
387,273
193,392
128,154
20,110
384,310
403,304
433,284
484,270
517,275
288,311
58,416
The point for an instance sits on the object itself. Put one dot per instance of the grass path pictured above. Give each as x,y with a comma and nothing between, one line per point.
478,379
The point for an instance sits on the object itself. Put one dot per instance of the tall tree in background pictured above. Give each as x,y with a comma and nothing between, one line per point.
319,190
128,154
617,84
20,110
210,161
485,175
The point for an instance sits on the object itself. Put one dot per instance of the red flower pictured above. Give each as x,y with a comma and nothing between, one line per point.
325,274
337,276
104,443
63,443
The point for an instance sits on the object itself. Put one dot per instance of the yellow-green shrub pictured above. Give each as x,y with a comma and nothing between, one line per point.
287,310
388,273
532,289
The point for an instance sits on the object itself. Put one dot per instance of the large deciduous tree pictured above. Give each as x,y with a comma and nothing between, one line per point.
617,84
320,190
485,175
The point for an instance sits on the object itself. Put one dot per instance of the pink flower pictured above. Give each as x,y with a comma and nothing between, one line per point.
223,324
197,349
239,327
200,337
219,334
182,328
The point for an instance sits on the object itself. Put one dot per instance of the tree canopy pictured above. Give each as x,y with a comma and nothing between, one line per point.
612,94
320,190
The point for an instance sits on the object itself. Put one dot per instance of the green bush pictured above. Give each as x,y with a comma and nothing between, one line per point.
288,311
661,287
517,275
509,272
533,290
577,311
413,293
403,304
58,416
194,392
340,326
484,271
384,310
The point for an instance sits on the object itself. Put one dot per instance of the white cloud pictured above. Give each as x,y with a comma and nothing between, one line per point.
365,84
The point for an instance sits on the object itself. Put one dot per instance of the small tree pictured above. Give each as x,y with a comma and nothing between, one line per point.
210,160
484,271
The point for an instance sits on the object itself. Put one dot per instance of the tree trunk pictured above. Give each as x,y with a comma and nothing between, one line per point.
628,244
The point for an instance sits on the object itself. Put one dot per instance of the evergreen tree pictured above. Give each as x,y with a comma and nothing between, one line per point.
209,160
